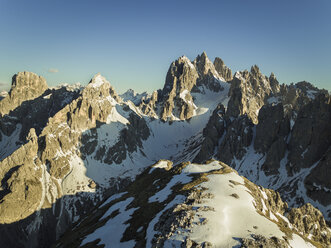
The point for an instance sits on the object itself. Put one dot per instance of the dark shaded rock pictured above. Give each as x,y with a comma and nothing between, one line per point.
238,136
271,126
274,155
318,183
212,133
311,134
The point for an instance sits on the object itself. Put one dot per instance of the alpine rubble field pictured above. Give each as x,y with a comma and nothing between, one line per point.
214,159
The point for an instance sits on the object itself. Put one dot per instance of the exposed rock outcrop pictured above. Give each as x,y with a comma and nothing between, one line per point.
176,96
271,132
238,137
222,69
148,105
310,221
248,93
25,86
183,78
40,175
318,182
21,186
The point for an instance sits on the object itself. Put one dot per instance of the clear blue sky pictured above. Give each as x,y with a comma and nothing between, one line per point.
132,43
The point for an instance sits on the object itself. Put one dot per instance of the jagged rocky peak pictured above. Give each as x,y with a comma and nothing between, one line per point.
274,83
94,105
25,86
181,75
21,81
204,65
255,70
184,77
222,69
100,84
180,79
248,93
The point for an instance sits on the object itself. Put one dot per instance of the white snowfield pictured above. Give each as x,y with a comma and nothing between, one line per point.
229,220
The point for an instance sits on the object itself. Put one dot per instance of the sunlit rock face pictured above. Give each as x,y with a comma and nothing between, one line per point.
25,86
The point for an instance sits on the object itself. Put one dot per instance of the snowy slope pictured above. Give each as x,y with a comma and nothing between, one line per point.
189,203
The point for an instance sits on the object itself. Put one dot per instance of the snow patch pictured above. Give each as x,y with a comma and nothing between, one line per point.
198,168
163,164
114,116
97,81
111,233
76,180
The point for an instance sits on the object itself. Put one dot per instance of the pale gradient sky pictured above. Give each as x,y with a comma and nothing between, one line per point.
132,43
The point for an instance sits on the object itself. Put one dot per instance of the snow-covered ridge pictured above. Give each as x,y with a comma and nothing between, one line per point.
191,203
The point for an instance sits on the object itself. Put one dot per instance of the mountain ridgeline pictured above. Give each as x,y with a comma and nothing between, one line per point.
75,162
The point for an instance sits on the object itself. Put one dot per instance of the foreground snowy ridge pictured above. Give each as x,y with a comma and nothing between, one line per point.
191,204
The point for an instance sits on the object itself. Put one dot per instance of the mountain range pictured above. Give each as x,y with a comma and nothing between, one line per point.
214,159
